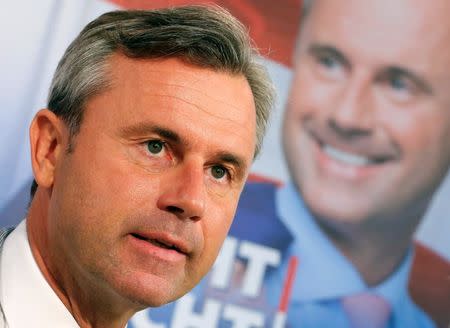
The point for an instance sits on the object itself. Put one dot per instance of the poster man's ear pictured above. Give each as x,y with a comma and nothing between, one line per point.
47,133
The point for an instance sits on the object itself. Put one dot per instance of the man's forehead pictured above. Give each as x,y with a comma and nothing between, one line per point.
382,6
403,30
387,16
179,77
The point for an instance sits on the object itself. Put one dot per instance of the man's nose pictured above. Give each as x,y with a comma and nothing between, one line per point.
184,192
352,114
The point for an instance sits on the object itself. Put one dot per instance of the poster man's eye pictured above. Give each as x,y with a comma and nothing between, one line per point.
398,83
328,61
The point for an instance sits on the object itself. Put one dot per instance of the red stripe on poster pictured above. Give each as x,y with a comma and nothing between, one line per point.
288,283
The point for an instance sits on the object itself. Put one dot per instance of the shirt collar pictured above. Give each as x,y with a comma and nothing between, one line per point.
26,297
324,273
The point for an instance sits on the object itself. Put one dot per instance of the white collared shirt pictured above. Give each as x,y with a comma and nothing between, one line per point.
26,297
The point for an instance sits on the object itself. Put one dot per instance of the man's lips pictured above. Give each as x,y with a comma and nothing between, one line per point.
164,241
346,153
351,158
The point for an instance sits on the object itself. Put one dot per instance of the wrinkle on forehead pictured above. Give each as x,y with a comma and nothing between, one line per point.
207,100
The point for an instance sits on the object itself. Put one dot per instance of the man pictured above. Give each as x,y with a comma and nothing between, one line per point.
366,137
153,120
366,141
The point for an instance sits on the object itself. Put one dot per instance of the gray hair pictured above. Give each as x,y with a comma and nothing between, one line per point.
206,36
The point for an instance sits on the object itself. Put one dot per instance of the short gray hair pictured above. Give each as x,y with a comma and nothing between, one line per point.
206,36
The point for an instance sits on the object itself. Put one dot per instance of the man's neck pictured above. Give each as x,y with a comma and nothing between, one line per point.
376,250
90,306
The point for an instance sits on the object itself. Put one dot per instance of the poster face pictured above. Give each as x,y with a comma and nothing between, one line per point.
339,203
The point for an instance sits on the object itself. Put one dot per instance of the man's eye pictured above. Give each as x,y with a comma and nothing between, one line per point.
398,83
155,146
400,87
218,172
327,61
329,66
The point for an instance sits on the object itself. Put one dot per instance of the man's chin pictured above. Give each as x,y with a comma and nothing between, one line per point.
149,291
149,297
340,218
338,209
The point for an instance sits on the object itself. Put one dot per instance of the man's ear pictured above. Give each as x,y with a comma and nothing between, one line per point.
47,133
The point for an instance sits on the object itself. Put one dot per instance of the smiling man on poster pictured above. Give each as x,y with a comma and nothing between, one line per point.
153,121
366,137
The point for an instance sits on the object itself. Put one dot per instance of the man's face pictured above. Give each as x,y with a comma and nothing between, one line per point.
143,203
367,127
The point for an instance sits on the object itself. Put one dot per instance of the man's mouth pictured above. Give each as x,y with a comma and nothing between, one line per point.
159,243
353,159
352,156
345,157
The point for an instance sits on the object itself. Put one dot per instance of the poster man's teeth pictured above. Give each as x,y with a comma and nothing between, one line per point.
345,157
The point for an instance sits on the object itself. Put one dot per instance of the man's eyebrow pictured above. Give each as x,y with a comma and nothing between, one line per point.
143,128
318,49
416,78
